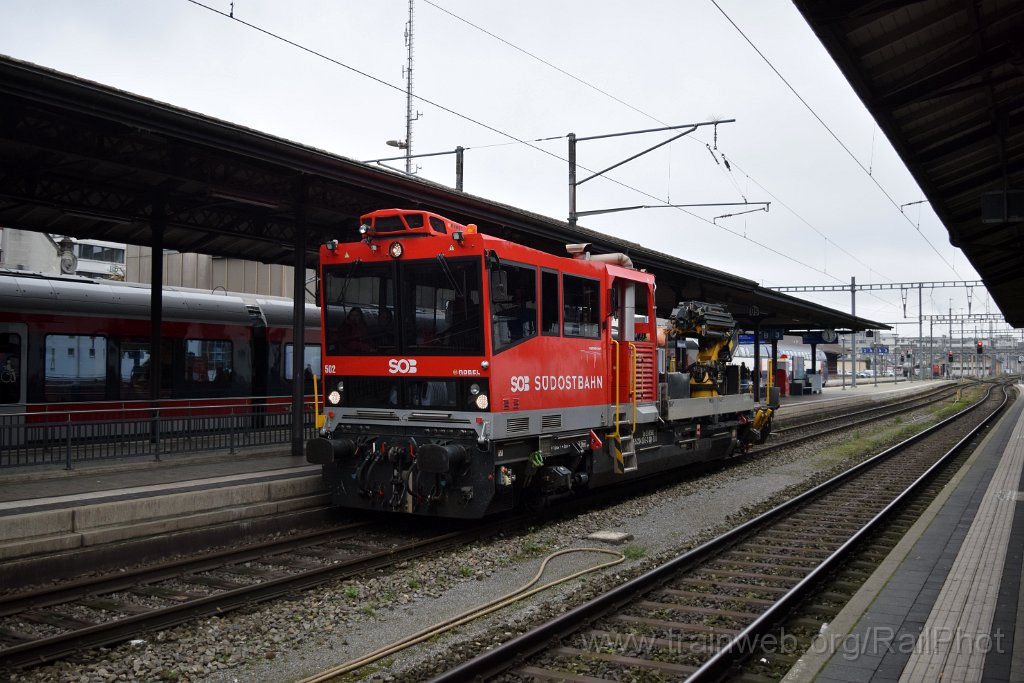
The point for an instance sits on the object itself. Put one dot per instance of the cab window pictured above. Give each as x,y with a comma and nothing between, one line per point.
581,307
513,305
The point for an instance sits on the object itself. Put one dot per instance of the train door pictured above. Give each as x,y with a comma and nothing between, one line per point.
13,363
624,321
635,331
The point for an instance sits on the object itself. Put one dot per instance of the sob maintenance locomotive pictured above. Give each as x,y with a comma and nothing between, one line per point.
465,375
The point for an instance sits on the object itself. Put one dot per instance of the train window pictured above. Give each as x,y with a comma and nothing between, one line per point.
360,309
208,361
134,362
75,368
133,366
644,330
581,307
310,361
513,304
438,225
440,306
388,223
549,303
10,368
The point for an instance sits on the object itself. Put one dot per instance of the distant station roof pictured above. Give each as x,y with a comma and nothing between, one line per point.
91,161
945,81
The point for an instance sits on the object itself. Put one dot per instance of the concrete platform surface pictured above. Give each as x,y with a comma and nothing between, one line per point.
24,488
96,504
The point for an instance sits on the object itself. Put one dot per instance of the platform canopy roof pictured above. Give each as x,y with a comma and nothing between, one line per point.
945,81
89,161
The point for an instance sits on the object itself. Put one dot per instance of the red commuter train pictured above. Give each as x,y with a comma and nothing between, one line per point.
465,375
78,348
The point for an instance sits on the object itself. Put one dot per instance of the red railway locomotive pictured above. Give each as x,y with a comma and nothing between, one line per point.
465,375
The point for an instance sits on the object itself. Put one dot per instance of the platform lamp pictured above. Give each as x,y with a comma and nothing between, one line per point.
402,144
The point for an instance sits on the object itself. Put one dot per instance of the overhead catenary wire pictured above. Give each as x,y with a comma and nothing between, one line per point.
542,61
503,133
373,78
634,108
726,171
831,132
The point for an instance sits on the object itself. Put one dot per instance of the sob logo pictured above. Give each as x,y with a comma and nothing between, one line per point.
402,366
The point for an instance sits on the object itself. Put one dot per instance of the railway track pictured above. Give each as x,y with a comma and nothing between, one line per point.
862,408
838,421
51,623
699,615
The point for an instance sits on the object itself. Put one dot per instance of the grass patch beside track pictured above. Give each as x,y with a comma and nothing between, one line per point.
898,429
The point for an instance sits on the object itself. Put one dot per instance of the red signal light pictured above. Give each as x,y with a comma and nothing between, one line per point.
979,347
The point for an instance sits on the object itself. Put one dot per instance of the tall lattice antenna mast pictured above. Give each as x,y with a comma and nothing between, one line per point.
409,117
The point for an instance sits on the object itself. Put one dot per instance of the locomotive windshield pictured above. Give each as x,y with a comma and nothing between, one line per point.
415,307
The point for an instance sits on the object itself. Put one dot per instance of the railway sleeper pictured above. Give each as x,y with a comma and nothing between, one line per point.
680,626
213,582
10,636
693,609
700,583
786,581
533,672
168,593
674,645
794,571
716,596
667,667
802,538
54,618
802,554
106,605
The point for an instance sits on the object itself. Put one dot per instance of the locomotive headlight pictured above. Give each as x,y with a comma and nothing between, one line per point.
334,397
474,389
396,249
481,401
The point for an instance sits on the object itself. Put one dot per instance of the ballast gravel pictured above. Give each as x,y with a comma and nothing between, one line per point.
290,639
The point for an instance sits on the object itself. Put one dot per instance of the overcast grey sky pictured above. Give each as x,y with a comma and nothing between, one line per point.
657,62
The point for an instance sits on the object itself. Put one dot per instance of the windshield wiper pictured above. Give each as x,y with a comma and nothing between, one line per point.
348,279
451,276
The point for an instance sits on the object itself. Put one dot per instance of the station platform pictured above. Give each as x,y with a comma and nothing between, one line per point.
99,508
866,390
946,604
36,489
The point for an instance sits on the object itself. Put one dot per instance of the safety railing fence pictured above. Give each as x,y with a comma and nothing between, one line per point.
54,438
